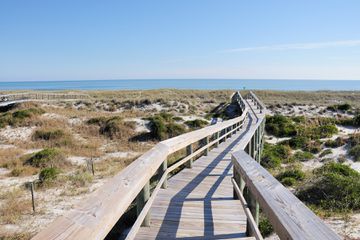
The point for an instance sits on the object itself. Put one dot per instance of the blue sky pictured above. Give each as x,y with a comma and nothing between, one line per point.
113,39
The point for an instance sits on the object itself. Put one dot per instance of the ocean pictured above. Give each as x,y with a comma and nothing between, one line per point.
209,84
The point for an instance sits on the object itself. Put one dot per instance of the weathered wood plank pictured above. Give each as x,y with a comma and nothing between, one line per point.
290,218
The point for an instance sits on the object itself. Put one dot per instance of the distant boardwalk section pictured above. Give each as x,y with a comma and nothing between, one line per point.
7,99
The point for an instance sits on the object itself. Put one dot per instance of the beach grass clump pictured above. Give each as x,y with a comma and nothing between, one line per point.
80,178
114,127
339,107
302,156
334,186
48,157
291,176
48,175
280,126
13,206
355,153
338,142
196,124
356,120
325,153
19,117
163,126
313,146
265,227
53,137
48,135
274,155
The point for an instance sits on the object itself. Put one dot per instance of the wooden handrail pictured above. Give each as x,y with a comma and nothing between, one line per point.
257,101
290,218
94,217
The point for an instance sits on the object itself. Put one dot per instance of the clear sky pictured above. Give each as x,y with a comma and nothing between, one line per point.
119,39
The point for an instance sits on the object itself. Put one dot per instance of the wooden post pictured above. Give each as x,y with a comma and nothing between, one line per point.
141,200
32,196
237,180
254,208
189,150
206,152
217,135
162,170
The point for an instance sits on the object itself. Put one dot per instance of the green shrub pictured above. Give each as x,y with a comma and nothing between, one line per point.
115,127
265,227
356,120
354,140
174,129
341,107
163,127
313,147
302,156
288,181
297,142
344,107
333,186
335,143
48,174
178,119
19,117
48,157
280,126
196,124
325,152
355,152
274,155
294,173
299,119
326,131
96,121
80,179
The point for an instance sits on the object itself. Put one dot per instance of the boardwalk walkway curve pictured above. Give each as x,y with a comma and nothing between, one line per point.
217,196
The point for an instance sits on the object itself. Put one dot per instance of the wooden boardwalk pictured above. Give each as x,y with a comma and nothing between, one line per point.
199,203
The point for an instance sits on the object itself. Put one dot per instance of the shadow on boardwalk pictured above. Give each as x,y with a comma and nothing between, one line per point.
173,214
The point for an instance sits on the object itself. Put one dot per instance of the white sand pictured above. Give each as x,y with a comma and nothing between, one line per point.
19,133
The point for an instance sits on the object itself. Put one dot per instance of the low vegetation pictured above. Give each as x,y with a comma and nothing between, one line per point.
48,157
354,144
334,187
19,117
53,137
196,124
14,206
274,155
114,127
338,142
290,176
163,126
302,156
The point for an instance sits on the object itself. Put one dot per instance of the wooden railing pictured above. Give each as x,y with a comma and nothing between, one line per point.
290,218
96,216
40,96
256,187
257,101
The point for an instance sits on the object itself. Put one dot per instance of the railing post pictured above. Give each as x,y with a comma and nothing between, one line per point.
162,171
217,135
254,208
141,200
206,152
189,150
